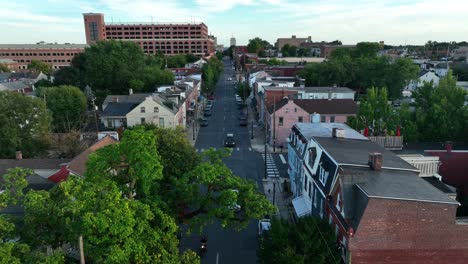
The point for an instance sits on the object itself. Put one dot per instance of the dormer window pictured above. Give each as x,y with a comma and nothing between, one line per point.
142,109
323,175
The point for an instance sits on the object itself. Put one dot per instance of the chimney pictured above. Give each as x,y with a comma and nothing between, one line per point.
293,36
375,161
19,155
338,132
448,146
130,91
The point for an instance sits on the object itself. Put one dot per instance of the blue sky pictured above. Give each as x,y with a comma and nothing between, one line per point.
351,21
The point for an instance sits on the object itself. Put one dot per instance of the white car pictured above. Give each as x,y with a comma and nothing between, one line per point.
229,79
263,226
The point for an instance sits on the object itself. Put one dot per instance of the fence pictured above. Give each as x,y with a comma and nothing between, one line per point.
389,142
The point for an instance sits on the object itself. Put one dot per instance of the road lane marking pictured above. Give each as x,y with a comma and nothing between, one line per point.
282,158
250,149
217,257
237,149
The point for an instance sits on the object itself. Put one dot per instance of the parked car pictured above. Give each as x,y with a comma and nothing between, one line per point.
229,79
203,122
229,141
211,97
207,112
263,226
243,122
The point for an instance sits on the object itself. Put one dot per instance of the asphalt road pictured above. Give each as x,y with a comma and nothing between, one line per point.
228,246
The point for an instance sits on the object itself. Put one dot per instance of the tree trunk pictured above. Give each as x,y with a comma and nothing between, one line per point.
80,243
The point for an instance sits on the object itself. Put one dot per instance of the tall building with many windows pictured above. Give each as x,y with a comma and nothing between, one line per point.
169,38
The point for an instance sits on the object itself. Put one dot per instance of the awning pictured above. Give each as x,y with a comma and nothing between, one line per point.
190,109
302,206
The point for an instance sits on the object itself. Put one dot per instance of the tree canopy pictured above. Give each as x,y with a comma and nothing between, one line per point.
129,204
25,125
360,68
210,74
39,66
310,240
258,46
67,105
4,68
439,113
113,67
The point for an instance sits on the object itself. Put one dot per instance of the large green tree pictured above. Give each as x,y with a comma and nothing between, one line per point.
68,107
39,66
309,240
25,123
360,68
210,74
4,68
257,46
440,111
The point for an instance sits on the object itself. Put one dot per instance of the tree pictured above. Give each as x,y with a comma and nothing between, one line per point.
243,90
310,240
68,106
189,57
67,76
12,250
4,68
257,45
440,111
460,71
25,125
39,66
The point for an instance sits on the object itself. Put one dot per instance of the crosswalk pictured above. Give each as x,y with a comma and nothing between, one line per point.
272,171
199,150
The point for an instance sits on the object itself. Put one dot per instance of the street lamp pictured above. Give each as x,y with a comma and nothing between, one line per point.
252,136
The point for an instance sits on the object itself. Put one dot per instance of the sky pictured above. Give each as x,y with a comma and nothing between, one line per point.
393,21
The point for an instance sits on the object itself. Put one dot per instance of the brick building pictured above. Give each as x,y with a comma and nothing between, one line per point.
292,41
169,38
58,55
380,208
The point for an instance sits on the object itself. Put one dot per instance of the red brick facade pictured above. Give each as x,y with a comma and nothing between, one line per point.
396,231
170,38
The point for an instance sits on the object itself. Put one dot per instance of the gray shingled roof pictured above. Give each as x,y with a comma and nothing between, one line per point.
326,89
118,109
13,86
352,151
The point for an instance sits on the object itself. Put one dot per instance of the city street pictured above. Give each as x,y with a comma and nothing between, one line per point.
227,246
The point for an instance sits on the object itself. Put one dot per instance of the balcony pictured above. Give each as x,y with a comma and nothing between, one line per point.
389,142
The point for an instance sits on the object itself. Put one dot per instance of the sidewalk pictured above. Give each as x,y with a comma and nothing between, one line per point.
189,128
272,186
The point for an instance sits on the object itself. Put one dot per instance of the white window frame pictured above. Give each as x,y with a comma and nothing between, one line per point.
323,175
338,206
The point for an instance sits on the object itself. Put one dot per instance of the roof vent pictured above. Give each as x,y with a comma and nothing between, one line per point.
338,133
375,161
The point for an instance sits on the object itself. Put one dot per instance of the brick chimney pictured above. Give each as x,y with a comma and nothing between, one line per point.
19,155
375,161
448,146
338,133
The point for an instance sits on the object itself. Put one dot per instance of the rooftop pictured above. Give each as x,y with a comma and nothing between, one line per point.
310,130
43,46
118,109
321,106
326,89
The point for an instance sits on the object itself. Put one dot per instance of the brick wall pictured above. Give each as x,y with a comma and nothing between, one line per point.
393,231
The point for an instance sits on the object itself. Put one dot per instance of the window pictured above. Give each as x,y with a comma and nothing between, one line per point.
295,109
332,119
338,204
109,123
312,156
323,119
323,175
142,120
305,182
156,109
280,119
142,109
93,31
301,119
161,122
310,189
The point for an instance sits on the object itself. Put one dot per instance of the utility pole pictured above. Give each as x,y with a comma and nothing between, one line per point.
274,124
274,192
95,116
266,128
252,136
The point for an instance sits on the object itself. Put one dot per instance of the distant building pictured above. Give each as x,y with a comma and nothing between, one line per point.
58,55
232,42
292,41
326,50
220,48
169,38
